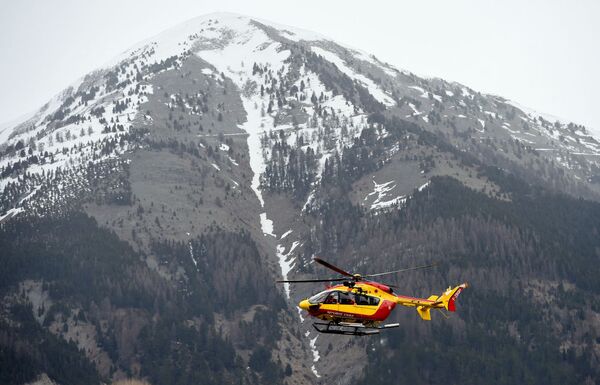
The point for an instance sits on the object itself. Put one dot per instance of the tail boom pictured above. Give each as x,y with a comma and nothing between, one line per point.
447,300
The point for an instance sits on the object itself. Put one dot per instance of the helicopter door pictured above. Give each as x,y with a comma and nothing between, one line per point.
346,301
331,302
365,305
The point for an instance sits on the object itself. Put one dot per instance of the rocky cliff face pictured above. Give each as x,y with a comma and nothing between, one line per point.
148,208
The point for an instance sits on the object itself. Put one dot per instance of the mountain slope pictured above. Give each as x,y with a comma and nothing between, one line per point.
224,153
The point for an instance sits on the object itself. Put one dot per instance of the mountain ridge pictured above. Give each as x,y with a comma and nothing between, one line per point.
229,15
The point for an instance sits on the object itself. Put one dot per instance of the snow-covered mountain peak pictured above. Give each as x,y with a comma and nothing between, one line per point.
220,28
317,93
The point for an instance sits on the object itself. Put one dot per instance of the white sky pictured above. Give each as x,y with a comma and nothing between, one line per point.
542,54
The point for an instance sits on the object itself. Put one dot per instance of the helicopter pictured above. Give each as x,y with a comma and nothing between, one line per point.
358,306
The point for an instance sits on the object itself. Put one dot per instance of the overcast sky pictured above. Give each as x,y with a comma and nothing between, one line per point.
542,54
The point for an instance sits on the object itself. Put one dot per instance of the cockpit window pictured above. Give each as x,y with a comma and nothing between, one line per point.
332,298
318,298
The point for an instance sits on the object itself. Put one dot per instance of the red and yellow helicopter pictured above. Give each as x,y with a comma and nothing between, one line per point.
358,306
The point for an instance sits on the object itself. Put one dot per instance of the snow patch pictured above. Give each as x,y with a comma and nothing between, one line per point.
423,187
223,147
286,262
266,225
420,89
382,190
412,106
192,255
12,212
316,356
232,161
313,346
482,122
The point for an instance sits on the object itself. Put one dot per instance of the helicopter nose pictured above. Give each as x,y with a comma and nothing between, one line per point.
304,304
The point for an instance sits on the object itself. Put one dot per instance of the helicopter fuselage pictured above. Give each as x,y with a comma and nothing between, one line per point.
364,302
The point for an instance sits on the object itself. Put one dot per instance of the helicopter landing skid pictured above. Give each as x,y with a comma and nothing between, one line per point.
350,328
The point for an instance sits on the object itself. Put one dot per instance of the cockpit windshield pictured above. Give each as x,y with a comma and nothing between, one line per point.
318,298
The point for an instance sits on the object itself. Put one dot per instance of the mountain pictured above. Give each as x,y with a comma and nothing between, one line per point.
147,210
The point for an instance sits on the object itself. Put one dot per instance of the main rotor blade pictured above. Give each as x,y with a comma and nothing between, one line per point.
311,280
400,270
330,266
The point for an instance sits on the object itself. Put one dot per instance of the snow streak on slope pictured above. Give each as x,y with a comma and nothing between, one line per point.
373,88
286,261
381,191
316,356
248,45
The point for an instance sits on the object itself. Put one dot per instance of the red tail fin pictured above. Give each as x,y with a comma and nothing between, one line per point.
448,298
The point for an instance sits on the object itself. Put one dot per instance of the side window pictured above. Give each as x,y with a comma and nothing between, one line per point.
362,299
346,298
365,300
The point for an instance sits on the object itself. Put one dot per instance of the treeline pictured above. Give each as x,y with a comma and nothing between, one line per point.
94,278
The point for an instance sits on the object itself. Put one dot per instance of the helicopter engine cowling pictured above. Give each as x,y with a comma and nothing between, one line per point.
381,287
